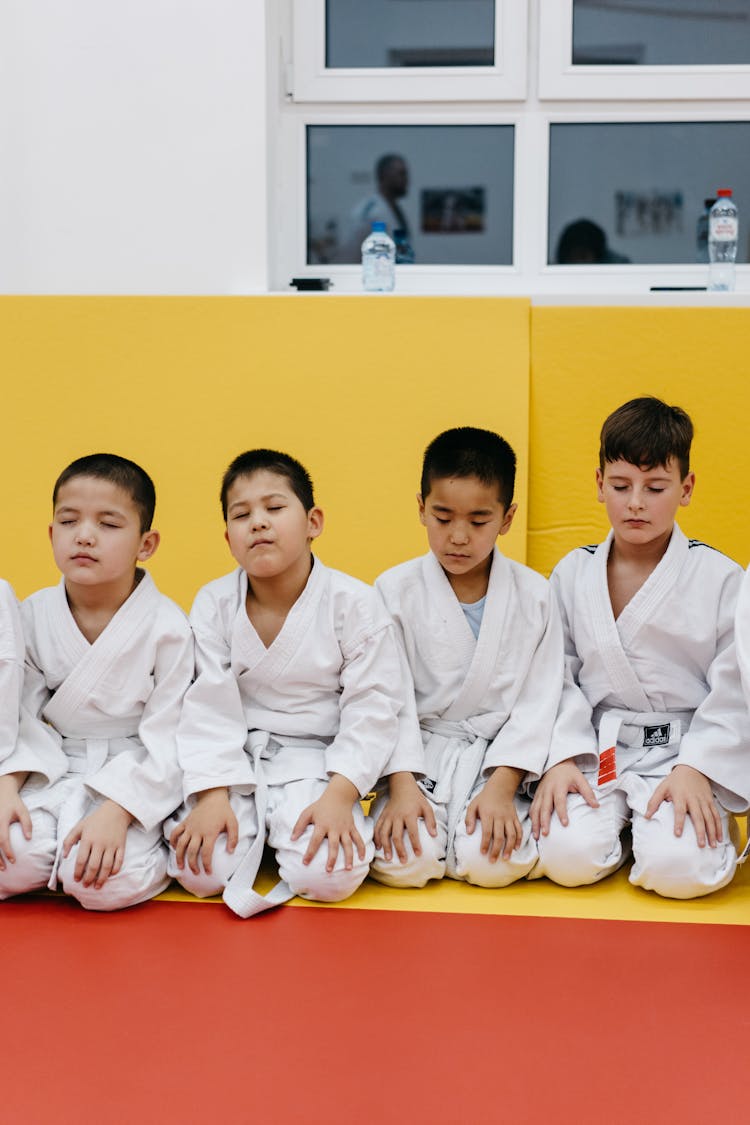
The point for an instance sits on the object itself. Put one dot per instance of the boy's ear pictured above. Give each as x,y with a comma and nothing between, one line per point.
508,519
686,494
420,502
315,522
600,485
149,542
49,529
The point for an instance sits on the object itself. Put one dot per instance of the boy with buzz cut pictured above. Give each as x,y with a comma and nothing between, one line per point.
649,623
484,643
300,696
108,660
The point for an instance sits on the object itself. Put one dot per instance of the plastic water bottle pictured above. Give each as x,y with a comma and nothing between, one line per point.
378,260
722,242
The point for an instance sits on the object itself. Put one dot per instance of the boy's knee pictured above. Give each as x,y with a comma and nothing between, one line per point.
584,851
675,866
33,861
136,882
474,867
417,870
312,881
205,884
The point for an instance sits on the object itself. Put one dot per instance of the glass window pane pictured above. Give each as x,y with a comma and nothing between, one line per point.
395,33
635,192
445,192
661,32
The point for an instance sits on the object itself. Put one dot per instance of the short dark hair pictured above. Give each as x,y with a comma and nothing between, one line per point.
581,241
128,476
646,432
469,452
273,462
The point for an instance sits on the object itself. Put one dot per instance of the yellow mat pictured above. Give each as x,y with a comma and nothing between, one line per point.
613,898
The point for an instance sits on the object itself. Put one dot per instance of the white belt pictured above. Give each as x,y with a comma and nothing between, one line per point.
272,764
647,730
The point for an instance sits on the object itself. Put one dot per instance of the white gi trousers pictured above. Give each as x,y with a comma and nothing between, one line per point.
289,778
55,810
637,751
452,781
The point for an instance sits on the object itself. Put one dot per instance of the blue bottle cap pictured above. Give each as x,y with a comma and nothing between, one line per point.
377,225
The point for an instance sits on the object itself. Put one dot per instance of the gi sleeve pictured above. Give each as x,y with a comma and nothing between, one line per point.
147,782
374,695
718,740
524,739
213,729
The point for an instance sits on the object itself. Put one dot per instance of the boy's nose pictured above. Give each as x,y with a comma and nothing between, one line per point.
85,534
459,535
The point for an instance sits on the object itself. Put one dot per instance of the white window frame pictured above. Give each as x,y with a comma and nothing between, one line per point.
530,274
314,82
290,250
559,79
624,278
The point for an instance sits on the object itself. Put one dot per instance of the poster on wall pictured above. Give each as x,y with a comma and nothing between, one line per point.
453,210
652,213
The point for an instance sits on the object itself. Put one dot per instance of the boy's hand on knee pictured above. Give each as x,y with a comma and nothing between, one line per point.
194,839
552,795
332,818
406,805
101,840
690,793
495,809
12,811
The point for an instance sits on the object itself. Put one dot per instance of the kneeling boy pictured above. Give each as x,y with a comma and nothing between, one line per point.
108,660
484,644
299,698
649,623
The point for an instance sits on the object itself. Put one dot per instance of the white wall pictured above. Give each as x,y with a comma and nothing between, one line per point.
133,140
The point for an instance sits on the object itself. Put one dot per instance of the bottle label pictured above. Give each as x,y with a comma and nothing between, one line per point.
723,229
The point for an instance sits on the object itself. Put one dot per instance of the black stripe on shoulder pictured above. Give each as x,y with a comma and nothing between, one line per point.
700,543
716,551
590,547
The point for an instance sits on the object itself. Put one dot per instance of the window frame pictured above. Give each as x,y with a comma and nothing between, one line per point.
530,274
559,79
314,82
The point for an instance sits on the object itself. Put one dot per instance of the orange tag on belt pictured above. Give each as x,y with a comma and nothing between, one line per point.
607,766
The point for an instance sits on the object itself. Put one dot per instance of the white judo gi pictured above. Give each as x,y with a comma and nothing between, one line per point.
663,688
482,703
105,725
11,672
329,695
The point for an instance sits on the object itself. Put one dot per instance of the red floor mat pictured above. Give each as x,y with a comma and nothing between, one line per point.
171,1014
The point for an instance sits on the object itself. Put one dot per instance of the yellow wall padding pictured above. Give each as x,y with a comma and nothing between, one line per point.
585,363
353,387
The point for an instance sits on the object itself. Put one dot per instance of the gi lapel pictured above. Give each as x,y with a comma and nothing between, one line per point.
608,643
479,657
93,661
267,664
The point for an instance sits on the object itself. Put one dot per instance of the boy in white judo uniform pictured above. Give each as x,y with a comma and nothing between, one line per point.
108,661
649,623
300,694
484,643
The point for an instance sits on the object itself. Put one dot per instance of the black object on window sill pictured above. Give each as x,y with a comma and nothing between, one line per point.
311,284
